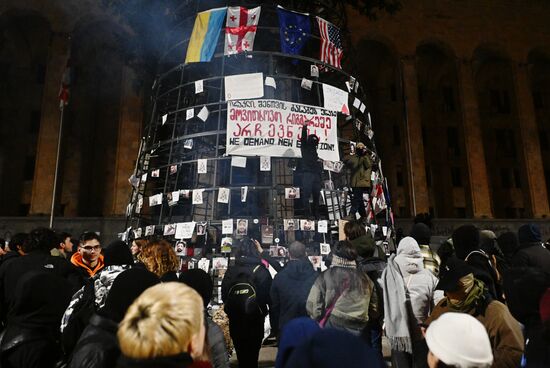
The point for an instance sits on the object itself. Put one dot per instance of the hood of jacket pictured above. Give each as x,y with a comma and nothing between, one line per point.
408,257
364,245
77,260
299,269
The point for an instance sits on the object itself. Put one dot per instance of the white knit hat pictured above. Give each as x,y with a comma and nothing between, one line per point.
460,340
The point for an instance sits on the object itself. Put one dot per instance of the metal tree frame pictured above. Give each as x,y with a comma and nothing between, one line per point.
165,144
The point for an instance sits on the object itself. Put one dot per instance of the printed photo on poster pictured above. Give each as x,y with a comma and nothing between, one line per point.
242,226
226,244
267,234
322,226
223,195
204,264
169,229
289,225
265,163
227,226
307,225
219,263
315,261
149,230
325,248
201,228
181,248
292,193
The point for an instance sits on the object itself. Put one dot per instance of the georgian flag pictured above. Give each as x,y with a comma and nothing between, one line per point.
240,29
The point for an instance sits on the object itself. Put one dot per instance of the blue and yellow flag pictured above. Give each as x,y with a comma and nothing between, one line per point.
204,38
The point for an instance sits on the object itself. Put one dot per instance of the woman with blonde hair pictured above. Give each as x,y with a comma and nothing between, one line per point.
159,257
164,327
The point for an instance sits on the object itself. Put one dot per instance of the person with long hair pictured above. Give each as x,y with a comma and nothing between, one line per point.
159,257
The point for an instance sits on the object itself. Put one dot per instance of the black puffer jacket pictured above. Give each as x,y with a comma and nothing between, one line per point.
532,255
290,289
98,345
310,158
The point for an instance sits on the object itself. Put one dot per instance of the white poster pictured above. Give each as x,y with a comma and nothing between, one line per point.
223,195
202,165
265,163
227,226
197,196
244,193
322,226
335,99
273,128
242,86
237,161
149,230
184,230
155,200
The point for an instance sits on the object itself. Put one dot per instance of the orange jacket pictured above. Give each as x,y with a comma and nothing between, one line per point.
76,259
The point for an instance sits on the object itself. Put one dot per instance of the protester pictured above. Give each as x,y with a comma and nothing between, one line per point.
117,253
88,258
242,281
13,250
291,286
360,165
65,247
137,245
466,294
472,348
31,336
98,345
408,298
294,333
509,244
537,351
331,348
363,242
160,258
215,349
164,327
531,252
310,169
422,234
35,256
343,297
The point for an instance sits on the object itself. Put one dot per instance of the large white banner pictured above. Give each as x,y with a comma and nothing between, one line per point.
273,128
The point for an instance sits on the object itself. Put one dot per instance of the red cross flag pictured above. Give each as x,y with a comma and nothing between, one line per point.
240,29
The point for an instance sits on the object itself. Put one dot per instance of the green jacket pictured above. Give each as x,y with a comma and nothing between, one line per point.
361,169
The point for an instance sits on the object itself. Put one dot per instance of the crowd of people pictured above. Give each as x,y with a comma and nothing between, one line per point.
477,300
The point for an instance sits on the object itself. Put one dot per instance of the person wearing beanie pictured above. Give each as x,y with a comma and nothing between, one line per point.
294,333
98,346
509,245
215,349
342,297
465,293
472,350
408,296
163,328
117,253
422,234
466,241
531,252
331,348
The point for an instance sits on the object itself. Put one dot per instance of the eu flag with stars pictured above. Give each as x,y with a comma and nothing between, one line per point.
295,30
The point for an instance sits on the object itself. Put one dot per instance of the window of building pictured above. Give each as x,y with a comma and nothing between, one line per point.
452,141
505,143
499,101
448,99
399,177
428,176
396,135
517,178
456,177
505,178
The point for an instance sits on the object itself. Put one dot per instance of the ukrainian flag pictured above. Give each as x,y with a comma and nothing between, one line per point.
204,38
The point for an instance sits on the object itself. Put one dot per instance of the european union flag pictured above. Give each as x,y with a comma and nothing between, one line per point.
295,29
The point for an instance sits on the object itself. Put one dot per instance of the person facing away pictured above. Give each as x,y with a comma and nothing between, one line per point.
464,293
164,327
311,172
245,292
31,338
215,348
422,234
14,248
98,345
88,258
360,165
408,299
160,258
65,246
343,297
471,350
291,286
531,252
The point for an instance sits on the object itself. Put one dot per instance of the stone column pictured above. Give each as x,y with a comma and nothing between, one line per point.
46,150
530,144
129,134
416,163
473,139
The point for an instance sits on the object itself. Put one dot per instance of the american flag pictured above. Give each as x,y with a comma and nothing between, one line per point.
331,43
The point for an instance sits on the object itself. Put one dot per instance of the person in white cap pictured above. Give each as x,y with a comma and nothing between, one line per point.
471,350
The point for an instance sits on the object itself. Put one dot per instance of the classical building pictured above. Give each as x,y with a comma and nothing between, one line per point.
459,94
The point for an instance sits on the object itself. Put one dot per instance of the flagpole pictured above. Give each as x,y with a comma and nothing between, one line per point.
54,193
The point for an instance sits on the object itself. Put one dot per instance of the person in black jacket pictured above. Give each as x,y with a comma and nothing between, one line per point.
311,172
31,338
247,329
36,256
531,252
98,345
291,286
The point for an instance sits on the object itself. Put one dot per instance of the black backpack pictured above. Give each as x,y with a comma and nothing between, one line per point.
242,297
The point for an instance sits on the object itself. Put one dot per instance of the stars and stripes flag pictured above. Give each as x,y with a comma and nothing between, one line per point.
64,92
240,29
331,43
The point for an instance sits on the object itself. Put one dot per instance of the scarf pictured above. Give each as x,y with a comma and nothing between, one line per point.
342,262
475,291
396,316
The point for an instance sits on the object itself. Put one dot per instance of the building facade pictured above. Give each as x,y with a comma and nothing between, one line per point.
459,94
